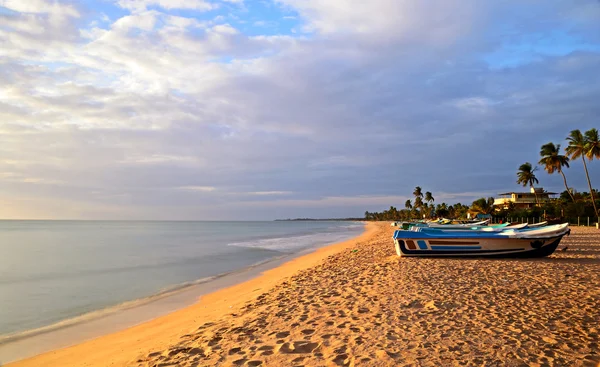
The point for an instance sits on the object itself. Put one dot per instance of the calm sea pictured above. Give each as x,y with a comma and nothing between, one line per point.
56,270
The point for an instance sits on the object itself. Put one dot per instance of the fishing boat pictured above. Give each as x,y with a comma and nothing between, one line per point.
540,224
460,225
524,242
444,225
495,228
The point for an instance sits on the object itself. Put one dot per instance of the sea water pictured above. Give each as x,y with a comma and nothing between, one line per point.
52,271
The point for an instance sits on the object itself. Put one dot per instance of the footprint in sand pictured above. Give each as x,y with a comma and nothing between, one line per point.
282,334
298,347
298,359
234,350
341,359
239,362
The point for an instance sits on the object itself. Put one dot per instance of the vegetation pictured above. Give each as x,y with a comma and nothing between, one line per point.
483,206
578,147
569,205
525,176
553,161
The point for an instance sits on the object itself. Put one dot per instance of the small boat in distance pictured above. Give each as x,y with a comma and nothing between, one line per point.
523,242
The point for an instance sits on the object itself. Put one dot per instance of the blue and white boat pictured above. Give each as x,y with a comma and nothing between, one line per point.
524,242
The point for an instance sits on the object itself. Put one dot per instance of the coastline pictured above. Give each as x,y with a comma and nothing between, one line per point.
161,317
358,303
105,321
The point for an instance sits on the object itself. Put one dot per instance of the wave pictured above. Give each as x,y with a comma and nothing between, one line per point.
355,225
294,243
108,270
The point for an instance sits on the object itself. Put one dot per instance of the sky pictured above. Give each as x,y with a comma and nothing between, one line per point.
265,109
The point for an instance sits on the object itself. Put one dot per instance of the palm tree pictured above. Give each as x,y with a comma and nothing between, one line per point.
428,197
451,211
525,177
441,210
553,161
483,206
418,203
408,205
418,193
393,213
592,147
578,147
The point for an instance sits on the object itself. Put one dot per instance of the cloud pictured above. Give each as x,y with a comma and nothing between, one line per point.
142,5
270,193
198,188
40,7
161,113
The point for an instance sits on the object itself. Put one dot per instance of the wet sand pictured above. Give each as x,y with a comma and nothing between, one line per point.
358,303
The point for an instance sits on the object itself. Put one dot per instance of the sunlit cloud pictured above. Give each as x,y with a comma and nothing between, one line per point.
197,109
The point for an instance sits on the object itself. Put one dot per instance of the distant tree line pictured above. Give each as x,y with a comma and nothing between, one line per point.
422,207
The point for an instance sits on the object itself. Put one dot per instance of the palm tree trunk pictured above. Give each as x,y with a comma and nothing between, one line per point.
566,186
537,202
590,185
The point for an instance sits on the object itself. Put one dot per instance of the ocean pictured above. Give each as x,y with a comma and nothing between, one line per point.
51,271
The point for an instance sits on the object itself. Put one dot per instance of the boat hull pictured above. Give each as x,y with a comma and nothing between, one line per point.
461,247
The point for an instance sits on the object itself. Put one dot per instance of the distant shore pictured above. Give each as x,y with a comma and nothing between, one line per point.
357,303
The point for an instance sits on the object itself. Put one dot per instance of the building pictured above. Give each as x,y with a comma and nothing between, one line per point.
523,200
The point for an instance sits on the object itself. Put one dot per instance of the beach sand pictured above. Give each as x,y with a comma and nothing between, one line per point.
357,303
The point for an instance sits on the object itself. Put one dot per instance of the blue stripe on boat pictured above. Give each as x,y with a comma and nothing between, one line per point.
434,247
422,244
458,252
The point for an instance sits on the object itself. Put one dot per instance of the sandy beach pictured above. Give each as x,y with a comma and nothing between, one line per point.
357,303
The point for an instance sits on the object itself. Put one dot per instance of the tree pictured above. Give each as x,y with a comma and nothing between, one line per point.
429,198
392,213
418,202
408,205
418,193
526,177
592,147
578,147
483,206
441,210
553,161
451,211
460,210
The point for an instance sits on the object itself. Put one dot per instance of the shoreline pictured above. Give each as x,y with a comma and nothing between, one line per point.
45,347
195,289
